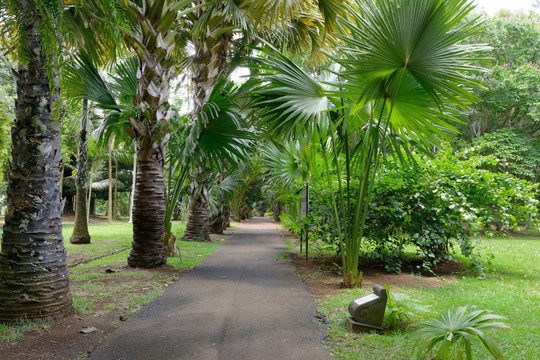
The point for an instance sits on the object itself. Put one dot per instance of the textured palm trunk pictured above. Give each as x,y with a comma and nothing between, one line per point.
80,229
226,216
216,223
34,281
209,61
150,128
148,211
220,221
198,224
276,209
110,201
115,199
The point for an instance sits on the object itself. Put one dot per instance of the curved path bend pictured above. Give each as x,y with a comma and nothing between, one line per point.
238,304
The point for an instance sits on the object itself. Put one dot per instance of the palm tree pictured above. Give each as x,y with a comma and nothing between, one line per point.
401,67
34,281
80,233
221,33
154,37
219,138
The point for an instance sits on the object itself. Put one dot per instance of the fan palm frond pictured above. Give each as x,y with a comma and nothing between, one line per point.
219,134
288,99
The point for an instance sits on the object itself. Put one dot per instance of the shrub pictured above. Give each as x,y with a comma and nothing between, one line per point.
437,203
442,199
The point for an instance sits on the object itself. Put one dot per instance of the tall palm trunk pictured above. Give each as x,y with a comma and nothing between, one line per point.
34,282
152,42
226,216
148,211
198,224
80,229
115,200
90,180
209,61
276,209
110,202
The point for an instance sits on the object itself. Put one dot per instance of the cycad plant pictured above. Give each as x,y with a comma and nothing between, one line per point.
401,67
460,331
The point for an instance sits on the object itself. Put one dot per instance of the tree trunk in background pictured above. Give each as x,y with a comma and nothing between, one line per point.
110,202
226,216
134,175
148,203
80,229
216,223
115,200
34,281
209,60
89,203
198,224
276,209
220,221
92,207
68,205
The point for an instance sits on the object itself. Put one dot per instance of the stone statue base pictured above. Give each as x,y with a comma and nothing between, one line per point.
357,327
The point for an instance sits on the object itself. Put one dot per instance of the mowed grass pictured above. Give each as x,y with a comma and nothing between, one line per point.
101,282
512,289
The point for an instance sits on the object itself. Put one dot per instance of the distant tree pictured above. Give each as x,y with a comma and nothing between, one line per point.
517,152
511,98
7,93
220,35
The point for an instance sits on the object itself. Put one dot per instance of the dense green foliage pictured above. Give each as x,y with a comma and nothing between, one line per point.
512,95
517,152
432,206
7,95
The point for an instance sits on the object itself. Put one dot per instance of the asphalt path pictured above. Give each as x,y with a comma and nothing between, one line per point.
238,304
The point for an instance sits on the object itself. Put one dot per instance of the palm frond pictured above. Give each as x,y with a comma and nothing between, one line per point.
420,37
263,13
287,99
82,80
219,134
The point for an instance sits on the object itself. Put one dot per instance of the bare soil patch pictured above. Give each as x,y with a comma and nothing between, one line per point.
323,277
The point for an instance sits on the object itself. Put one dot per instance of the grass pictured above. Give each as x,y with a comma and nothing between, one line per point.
15,332
510,289
101,282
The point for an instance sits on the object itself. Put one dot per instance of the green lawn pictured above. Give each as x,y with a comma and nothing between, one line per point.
512,289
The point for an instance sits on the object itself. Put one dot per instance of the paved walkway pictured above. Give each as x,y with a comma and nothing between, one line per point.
238,304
